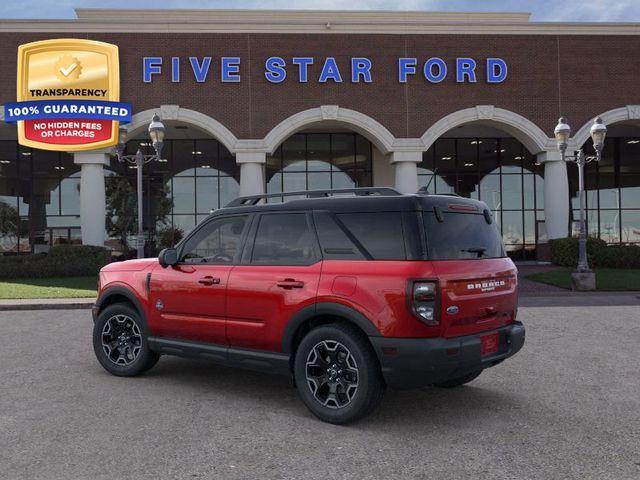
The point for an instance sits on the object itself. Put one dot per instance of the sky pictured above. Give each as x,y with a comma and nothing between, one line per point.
542,10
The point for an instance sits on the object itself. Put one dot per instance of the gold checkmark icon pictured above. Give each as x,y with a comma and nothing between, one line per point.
68,68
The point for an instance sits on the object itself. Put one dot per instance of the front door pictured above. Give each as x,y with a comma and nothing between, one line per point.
278,275
189,298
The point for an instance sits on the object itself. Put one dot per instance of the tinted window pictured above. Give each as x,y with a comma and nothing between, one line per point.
335,243
284,239
379,233
217,242
461,236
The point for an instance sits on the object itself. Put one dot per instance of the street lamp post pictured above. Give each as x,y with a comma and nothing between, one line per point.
156,133
583,278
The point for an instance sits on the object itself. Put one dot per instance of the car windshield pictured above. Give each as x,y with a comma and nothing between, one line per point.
456,236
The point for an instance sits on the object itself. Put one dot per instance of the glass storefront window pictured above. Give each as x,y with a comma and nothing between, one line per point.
207,194
193,177
319,161
319,152
488,160
8,159
293,152
512,230
70,195
39,191
491,192
511,155
630,190
610,226
184,199
182,158
445,156
612,191
498,171
512,192
630,222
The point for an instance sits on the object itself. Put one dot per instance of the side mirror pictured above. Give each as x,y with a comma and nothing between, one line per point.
168,257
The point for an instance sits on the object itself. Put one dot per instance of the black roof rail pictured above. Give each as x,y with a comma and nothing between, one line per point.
360,192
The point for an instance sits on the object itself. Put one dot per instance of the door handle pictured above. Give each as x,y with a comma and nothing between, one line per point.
289,283
208,280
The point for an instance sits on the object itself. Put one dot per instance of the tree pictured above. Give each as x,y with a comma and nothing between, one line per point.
9,221
168,237
122,208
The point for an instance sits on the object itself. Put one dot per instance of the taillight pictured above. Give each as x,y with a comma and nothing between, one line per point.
423,302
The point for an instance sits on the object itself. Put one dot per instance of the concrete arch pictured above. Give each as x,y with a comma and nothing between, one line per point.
531,136
622,114
382,138
141,120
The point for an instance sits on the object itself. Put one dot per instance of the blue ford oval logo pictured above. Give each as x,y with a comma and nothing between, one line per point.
452,310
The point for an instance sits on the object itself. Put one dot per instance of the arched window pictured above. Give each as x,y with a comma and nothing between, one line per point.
316,161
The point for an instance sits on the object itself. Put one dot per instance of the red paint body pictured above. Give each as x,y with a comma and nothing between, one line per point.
249,306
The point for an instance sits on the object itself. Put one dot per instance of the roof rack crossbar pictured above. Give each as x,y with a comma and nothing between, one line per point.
360,192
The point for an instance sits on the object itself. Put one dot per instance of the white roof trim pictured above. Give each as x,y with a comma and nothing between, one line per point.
311,21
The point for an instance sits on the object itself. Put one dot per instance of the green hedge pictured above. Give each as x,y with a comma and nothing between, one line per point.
61,261
564,252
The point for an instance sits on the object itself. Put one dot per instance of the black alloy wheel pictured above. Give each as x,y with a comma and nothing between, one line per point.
332,374
337,373
120,341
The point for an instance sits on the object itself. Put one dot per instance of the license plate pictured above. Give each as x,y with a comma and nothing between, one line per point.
489,344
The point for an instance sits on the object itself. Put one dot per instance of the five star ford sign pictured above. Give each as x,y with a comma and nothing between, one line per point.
68,95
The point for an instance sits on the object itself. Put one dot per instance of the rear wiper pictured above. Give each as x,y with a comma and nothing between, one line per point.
477,250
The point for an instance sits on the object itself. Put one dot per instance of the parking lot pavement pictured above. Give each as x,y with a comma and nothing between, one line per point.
566,407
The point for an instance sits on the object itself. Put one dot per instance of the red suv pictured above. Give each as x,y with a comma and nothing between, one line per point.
348,294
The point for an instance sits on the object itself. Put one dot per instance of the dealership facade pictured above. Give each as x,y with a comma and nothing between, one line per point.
276,101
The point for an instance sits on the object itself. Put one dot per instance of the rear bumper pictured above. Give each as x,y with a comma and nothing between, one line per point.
417,362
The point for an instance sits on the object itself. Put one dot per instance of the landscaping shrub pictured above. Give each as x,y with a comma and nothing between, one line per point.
61,261
564,252
618,256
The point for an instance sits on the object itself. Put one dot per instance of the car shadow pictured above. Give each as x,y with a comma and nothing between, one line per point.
426,407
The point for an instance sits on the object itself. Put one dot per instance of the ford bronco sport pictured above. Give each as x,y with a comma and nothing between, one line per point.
349,295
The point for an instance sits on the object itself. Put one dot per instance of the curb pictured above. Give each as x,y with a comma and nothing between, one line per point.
76,305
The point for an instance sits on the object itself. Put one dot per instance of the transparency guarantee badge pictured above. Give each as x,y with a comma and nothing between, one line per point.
68,95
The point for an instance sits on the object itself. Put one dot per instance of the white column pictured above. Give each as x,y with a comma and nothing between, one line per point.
406,167
556,194
93,208
251,172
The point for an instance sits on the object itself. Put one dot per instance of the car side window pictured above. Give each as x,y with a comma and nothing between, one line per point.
335,243
380,233
284,239
217,242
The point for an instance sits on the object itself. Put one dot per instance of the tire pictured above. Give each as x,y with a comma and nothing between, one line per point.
337,374
120,341
456,382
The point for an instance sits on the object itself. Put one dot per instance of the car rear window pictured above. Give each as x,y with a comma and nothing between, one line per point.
461,236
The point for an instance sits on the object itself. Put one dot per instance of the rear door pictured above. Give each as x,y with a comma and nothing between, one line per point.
278,275
478,281
189,299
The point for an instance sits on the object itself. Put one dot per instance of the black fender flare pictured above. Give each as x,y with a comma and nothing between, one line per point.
325,308
117,290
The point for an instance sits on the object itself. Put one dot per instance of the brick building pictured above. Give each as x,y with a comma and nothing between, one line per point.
277,101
